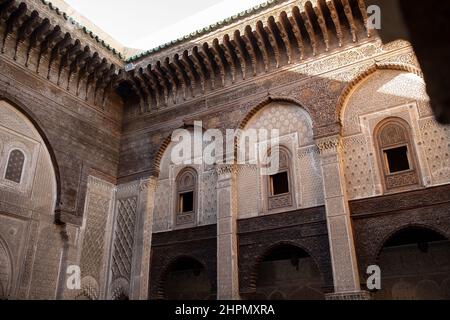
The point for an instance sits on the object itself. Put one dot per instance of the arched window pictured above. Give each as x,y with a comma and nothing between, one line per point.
186,205
396,154
279,187
292,269
14,168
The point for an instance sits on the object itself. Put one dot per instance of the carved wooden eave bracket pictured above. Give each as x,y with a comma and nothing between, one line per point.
292,32
41,39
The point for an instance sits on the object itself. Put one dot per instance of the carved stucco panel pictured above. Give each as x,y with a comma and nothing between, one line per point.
162,218
358,167
381,90
248,191
342,264
309,175
435,139
208,214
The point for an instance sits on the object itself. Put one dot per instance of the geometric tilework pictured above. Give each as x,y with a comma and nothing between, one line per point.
435,140
209,197
358,169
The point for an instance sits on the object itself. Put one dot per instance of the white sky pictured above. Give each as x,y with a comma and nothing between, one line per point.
145,24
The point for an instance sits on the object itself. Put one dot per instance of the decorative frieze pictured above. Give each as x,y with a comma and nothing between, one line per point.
282,201
328,145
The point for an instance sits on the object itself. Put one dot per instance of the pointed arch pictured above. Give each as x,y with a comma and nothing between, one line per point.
390,235
159,155
410,268
348,90
155,171
271,99
28,114
169,267
259,107
271,249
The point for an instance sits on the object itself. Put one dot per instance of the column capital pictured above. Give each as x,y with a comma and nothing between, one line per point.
329,144
148,183
223,170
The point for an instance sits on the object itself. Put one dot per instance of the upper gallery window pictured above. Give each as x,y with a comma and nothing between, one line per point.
396,153
397,159
279,184
186,197
15,166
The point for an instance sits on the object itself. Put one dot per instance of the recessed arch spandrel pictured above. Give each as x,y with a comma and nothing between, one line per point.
378,92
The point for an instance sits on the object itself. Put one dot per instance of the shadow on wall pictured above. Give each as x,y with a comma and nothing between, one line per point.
377,93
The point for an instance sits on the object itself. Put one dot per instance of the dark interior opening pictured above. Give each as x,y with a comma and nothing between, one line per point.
122,297
288,272
415,265
286,253
421,237
280,183
185,264
187,279
187,202
397,159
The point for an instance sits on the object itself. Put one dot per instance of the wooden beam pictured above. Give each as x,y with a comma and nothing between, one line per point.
25,30
37,37
336,22
350,19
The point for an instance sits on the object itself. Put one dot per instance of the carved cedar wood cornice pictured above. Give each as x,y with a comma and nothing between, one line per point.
307,29
41,41
32,36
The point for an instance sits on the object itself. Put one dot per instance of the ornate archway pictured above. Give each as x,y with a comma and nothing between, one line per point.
359,79
185,278
29,182
288,272
415,265
33,124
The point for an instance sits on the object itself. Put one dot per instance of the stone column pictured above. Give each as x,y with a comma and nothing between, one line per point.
146,207
340,232
227,246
